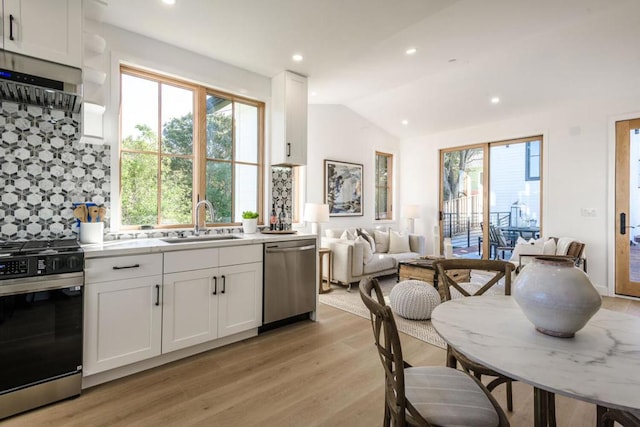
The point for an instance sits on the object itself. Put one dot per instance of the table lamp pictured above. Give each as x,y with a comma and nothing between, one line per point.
316,213
411,212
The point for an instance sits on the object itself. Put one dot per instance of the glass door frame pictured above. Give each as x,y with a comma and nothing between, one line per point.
622,267
486,179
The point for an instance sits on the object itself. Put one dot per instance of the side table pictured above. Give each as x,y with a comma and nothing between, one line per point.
321,253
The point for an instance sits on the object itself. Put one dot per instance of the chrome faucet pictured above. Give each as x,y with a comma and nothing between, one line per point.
207,204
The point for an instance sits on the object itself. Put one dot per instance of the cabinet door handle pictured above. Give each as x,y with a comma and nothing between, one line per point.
215,285
288,147
11,18
623,223
117,267
157,294
224,283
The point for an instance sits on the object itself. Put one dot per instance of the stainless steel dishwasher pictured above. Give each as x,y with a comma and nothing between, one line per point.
289,281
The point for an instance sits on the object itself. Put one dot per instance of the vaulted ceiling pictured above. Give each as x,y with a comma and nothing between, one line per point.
533,55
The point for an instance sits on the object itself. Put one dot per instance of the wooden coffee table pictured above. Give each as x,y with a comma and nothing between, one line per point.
422,269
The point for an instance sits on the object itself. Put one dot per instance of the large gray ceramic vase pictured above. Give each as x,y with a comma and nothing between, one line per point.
558,298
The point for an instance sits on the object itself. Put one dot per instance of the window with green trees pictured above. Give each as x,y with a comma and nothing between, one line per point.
169,161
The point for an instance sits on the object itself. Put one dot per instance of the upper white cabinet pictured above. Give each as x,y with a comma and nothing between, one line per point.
45,29
289,119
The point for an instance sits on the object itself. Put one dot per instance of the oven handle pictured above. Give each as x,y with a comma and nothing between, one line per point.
37,284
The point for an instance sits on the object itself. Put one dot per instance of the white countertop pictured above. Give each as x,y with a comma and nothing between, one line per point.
158,245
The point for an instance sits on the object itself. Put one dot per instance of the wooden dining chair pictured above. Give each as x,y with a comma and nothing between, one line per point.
426,395
607,416
495,270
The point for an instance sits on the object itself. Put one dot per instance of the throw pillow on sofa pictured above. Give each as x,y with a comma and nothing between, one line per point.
382,241
348,235
532,247
398,243
367,254
369,238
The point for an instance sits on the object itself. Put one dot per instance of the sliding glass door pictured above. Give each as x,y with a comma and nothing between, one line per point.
462,200
490,197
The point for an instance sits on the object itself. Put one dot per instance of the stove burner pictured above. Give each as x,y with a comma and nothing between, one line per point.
39,245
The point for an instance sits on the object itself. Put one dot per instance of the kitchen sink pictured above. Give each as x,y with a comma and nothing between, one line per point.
193,239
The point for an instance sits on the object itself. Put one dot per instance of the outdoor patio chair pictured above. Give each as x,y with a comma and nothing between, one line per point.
498,243
425,395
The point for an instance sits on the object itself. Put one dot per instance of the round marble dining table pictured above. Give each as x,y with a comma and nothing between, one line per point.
600,364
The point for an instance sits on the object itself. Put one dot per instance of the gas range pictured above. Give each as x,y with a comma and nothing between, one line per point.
39,258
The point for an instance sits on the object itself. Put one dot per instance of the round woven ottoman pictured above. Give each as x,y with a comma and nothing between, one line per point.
414,299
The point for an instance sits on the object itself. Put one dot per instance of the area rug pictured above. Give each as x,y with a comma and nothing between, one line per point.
351,302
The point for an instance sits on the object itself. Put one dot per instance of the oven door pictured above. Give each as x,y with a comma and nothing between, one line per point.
40,329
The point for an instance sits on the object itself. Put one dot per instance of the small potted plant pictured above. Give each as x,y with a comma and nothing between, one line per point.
249,222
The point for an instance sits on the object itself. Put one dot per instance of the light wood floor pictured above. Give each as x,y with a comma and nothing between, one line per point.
325,373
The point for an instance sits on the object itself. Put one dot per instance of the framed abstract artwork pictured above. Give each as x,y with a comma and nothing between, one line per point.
343,188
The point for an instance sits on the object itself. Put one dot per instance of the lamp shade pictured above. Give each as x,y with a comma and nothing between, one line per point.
411,211
316,212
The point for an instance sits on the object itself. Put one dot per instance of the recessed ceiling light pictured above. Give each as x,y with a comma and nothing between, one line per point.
297,57
405,122
411,51
314,93
169,2
495,100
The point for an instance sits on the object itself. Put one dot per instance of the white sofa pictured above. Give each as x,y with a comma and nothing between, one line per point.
349,264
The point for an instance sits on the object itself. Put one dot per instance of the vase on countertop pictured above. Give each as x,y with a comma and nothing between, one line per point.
249,225
557,297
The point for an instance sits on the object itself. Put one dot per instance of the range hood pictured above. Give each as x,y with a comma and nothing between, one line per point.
36,82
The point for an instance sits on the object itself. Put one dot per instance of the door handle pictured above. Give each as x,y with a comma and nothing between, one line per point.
288,147
116,267
157,294
224,283
215,285
623,223
11,18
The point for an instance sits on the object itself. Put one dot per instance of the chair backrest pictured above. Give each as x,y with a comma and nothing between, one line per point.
387,341
575,249
497,270
496,237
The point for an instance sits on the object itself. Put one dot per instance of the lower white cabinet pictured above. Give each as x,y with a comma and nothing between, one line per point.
134,312
122,322
202,305
240,300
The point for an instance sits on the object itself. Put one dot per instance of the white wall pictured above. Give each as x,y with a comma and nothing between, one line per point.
577,172
337,133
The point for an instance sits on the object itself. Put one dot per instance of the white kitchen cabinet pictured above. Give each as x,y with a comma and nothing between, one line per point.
202,304
123,311
141,306
190,308
45,29
289,119
240,299
122,323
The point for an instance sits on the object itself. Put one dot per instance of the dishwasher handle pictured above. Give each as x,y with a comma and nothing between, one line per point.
294,249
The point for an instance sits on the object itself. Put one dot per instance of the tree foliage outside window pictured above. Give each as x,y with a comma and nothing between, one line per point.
163,172
456,165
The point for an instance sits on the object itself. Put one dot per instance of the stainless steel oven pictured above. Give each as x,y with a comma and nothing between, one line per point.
41,303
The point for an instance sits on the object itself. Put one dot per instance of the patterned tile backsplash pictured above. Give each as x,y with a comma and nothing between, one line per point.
44,169
282,192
